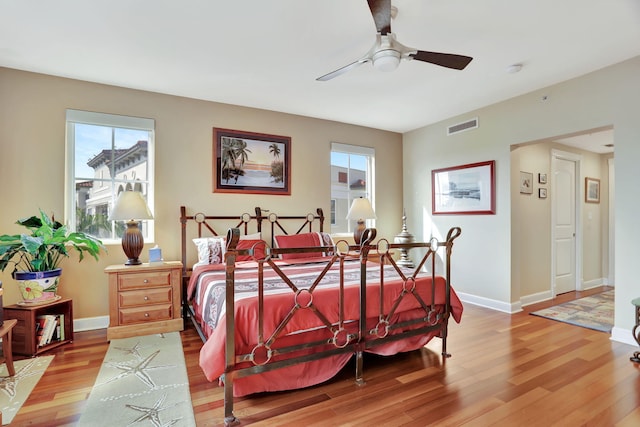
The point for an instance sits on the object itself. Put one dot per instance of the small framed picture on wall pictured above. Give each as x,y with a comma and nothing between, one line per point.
592,190
542,193
542,178
526,182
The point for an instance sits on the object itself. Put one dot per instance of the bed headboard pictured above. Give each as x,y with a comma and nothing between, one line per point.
268,224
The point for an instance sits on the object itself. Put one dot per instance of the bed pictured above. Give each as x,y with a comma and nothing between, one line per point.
281,311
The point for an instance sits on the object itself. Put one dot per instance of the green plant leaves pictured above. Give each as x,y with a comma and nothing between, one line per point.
45,246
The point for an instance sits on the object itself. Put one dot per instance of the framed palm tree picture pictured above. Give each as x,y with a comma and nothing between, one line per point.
251,163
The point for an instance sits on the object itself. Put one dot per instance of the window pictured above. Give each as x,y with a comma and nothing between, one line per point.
352,171
333,212
106,154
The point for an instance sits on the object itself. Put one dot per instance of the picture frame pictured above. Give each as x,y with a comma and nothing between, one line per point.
542,178
591,190
251,163
526,182
464,190
542,193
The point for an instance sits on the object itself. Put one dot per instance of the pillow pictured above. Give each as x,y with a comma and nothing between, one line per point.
304,240
327,240
258,250
210,250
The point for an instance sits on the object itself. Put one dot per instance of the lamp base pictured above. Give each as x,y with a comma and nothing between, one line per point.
132,243
357,233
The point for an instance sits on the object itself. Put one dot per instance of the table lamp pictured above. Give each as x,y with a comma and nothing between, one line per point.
360,210
131,207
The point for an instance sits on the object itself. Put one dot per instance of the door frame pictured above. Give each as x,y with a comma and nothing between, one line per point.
612,222
577,273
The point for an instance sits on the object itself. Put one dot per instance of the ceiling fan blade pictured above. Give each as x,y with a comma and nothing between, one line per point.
381,12
342,70
449,60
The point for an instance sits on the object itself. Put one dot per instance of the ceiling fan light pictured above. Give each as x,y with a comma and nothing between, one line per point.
386,60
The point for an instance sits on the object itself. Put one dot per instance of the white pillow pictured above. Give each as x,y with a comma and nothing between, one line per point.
210,250
327,240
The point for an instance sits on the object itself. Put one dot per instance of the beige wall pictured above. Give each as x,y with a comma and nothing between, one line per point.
531,219
483,267
32,165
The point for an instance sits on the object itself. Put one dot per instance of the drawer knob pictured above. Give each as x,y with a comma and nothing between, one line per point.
146,298
146,315
146,280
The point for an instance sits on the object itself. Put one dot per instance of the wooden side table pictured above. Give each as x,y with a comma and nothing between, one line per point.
373,255
144,299
6,332
25,334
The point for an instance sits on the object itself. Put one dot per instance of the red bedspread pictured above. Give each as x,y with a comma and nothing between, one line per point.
207,290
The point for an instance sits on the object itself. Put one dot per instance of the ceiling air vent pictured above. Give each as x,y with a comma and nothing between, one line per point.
461,127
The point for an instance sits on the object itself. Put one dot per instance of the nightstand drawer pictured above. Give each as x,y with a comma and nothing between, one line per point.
146,314
144,297
142,280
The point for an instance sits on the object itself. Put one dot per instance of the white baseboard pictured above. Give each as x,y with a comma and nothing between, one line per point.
590,284
536,298
546,295
623,335
509,308
90,323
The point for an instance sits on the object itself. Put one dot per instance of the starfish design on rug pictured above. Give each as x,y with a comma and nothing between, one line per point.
8,385
153,413
134,351
139,369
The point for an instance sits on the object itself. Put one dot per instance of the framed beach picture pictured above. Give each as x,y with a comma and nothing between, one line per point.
251,163
466,189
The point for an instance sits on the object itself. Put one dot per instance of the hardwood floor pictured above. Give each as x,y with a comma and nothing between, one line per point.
505,370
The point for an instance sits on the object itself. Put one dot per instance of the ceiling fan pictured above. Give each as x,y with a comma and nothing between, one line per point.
386,53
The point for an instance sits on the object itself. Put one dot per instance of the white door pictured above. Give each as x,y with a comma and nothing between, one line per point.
564,241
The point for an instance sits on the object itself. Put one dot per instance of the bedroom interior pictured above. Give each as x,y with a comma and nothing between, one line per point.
504,265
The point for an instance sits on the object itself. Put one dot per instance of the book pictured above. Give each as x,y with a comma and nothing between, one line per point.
61,327
58,332
40,325
49,327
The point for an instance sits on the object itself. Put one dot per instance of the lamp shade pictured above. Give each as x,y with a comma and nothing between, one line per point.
130,205
361,209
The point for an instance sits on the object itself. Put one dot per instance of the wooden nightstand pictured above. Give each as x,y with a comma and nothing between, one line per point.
373,256
144,299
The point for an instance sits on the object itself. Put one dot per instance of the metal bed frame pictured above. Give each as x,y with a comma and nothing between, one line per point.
434,318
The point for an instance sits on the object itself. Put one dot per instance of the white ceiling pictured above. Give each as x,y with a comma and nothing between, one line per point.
599,142
268,53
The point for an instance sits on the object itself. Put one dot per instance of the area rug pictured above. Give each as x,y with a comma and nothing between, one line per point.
593,312
15,390
142,381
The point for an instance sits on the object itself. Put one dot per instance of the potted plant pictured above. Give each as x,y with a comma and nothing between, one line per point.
35,256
